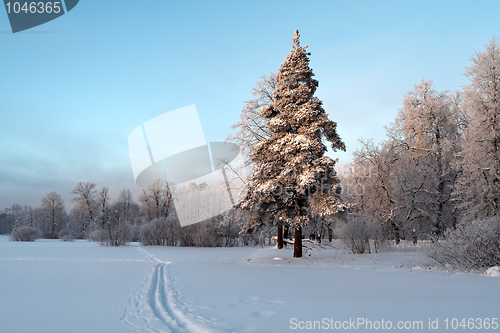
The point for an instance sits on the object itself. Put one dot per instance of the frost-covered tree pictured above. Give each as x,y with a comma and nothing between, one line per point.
292,179
53,212
405,183
479,185
113,223
103,212
128,209
426,136
370,186
252,127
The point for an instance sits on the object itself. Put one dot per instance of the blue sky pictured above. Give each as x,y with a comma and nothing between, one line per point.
73,89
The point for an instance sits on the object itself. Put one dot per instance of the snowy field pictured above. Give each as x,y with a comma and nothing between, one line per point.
55,286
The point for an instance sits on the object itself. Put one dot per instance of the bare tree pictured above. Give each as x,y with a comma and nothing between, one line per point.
127,208
54,212
252,128
370,186
86,203
156,201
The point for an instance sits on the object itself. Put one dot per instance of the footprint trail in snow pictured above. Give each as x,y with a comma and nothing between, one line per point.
155,306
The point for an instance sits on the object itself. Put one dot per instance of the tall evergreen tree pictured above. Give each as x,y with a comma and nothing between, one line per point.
292,180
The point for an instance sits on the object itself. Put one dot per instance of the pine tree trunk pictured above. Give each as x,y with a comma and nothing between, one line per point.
280,237
297,244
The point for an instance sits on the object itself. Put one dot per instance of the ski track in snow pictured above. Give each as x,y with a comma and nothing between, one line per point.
155,306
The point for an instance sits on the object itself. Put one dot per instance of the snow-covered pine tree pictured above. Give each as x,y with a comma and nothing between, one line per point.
479,185
292,180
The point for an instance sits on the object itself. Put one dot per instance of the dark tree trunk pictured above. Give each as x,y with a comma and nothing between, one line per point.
330,233
280,237
285,234
415,239
397,234
297,244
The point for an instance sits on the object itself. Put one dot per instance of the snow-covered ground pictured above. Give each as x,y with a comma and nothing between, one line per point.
55,286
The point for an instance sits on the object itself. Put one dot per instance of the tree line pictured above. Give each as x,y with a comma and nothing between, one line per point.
151,219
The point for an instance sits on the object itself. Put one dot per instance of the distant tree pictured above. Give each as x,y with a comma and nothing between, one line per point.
291,175
103,201
53,211
156,201
120,216
6,222
87,205
478,187
18,214
127,208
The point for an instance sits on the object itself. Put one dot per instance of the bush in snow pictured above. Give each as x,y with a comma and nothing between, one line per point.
50,235
111,236
160,231
357,233
493,271
25,234
134,232
66,235
472,246
206,234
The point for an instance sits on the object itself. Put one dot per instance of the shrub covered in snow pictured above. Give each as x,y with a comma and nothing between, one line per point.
50,235
159,231
357,233
354,236
134,232
361,235
117,236
66,235
168,232
25,234
472,246
493,271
